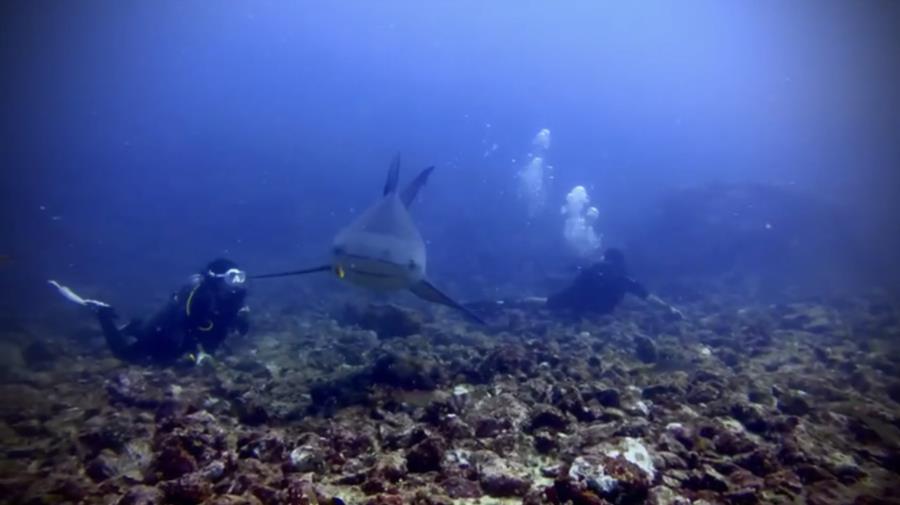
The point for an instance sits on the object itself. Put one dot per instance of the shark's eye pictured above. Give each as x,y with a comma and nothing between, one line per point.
338,250
412,265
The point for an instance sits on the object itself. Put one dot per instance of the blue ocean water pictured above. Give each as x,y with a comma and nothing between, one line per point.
742,158
141,140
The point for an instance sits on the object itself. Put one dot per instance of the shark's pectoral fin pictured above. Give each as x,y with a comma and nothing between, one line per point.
393,178
412,189
323,268
426,291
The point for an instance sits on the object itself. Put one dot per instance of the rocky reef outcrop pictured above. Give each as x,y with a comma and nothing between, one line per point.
738,405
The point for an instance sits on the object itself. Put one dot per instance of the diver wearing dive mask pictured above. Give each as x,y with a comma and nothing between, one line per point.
233,277
195,320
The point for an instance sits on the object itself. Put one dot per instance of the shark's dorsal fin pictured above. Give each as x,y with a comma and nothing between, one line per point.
412,189
390,185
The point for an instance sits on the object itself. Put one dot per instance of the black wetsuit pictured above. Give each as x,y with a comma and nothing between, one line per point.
199,316
598,289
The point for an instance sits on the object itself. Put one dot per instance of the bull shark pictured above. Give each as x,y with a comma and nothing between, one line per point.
382,249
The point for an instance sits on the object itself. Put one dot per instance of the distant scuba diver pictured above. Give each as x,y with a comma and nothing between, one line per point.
382,248
195,320
598,290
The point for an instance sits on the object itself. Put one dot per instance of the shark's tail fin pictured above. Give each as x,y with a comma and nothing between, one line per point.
412,189
390,185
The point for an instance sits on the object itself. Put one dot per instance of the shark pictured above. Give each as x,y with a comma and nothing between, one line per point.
382,249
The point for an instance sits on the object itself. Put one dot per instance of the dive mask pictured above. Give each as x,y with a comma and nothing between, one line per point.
233,277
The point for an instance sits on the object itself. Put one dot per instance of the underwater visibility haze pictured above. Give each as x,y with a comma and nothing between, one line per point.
661,244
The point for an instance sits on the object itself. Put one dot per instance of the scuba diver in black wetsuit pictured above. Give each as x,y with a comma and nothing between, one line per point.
195,320
597,290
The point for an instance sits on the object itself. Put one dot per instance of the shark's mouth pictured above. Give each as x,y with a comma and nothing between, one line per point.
351,266
376,275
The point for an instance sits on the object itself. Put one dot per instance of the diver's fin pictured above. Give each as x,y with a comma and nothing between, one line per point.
426,291
390,185
323,268
72,296
412,189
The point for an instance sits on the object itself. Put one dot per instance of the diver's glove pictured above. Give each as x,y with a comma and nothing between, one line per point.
68,294
203,357
199,357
